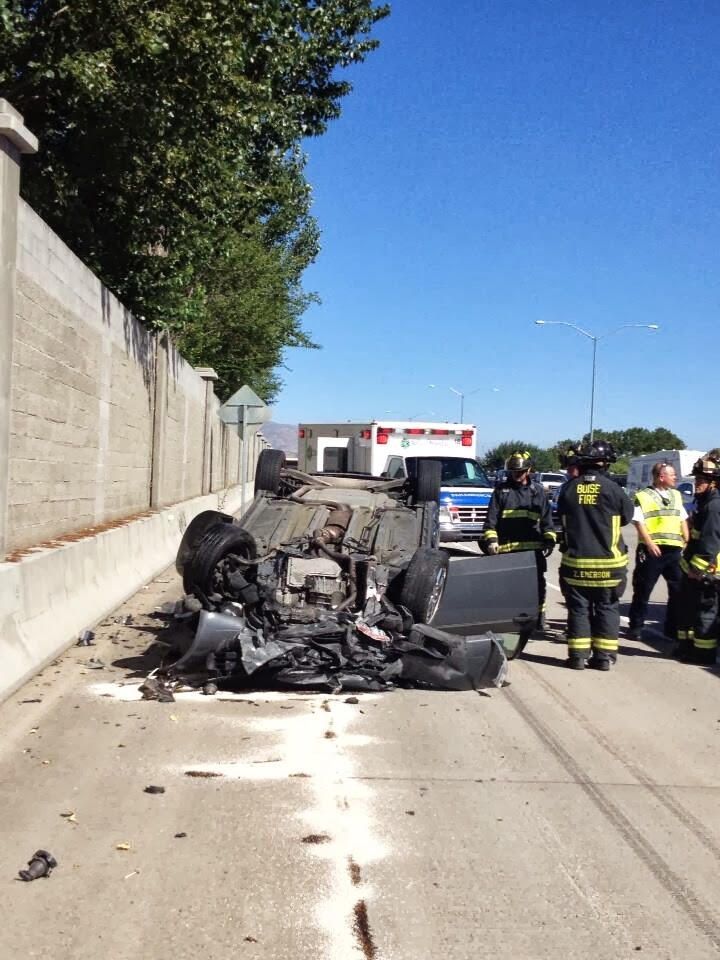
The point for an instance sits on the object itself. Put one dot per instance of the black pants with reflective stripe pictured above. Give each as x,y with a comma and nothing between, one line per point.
593,617
647,572
698,622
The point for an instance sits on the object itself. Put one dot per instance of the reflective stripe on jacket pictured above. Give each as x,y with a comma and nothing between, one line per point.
702,554
662,519
519,517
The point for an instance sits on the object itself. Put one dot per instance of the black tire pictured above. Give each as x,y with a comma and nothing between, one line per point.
424,583
203,574
267,473
428,481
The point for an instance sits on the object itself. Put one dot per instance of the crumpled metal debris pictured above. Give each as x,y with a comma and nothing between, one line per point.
155,688
339,651
41,864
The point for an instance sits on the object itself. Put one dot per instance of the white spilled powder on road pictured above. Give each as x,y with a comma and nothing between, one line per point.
340,806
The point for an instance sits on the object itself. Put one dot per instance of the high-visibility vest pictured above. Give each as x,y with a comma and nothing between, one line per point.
661,519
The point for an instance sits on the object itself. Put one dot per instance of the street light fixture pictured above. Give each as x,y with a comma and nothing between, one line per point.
462,394
590,336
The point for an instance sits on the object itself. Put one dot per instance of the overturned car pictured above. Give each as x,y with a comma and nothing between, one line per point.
332,581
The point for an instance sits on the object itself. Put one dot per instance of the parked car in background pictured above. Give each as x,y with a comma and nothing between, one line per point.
550,480
686,489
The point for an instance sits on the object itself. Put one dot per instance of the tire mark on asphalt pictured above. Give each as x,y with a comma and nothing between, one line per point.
659,791
683,895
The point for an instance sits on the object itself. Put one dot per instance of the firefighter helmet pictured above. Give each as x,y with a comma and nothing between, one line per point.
518,461
595,452
570,458
708,466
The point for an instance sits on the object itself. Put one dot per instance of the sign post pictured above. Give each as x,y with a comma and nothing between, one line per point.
246,412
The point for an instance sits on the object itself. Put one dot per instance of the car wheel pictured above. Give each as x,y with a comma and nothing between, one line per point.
427,481
267,473
216,555
424,583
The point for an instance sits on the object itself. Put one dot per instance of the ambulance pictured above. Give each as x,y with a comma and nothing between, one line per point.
391,448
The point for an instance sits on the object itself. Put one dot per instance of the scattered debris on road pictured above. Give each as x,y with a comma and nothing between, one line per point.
123,846
180,836
69,816
156,689
154,789
202,773
87,639
41,864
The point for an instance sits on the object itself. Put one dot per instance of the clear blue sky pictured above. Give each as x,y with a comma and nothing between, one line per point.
500,162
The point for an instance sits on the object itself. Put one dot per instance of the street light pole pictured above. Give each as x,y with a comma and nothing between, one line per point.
462,395
462,402
595,339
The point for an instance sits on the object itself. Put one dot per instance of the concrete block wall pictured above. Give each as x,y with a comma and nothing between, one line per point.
100,420
182,458
82,396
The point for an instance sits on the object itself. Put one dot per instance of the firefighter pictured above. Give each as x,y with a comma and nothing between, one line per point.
697,607
593,569
661,522
519,518
571,464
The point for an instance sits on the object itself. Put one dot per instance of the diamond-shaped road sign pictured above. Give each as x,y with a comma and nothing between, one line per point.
245,409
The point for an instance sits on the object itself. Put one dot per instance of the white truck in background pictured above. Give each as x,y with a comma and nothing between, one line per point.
391,448
640,468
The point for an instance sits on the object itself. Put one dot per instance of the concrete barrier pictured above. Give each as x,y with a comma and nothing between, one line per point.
50,596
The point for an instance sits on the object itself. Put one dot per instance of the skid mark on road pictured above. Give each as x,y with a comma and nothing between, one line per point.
681,892
595,905
659,791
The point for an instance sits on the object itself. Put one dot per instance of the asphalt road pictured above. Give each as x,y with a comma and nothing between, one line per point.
569,815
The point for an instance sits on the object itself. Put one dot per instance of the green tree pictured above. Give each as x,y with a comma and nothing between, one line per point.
495,458
635,441
170,136
250,287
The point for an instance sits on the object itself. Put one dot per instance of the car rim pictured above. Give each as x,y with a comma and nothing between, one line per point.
436,594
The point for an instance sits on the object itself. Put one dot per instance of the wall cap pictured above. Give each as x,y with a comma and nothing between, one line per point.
207,373
14,130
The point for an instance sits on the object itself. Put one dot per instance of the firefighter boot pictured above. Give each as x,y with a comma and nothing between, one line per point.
600,661
699,656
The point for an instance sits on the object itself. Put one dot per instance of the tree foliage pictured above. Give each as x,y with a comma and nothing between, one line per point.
628,443
495,458
635,441
170,147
